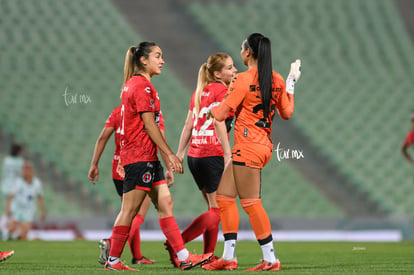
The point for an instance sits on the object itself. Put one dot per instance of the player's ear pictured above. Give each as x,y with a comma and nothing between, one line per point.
217,74
144,60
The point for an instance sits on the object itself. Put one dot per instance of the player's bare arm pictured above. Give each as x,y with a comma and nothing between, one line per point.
99,147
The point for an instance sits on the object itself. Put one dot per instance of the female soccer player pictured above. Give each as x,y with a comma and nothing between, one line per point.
255,95
409,141
113,124
209,145
12,170
140,140
21,202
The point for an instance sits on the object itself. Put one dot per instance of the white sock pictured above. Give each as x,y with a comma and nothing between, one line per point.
229,252
113,260
183,254
268,252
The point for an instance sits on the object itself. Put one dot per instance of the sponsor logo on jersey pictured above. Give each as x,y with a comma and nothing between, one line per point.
148,89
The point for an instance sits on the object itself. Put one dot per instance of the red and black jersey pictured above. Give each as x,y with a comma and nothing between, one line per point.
114,120
204,141
138,96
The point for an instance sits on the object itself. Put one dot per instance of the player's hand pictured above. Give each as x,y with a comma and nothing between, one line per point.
169,176
180,155
93,173
120,170
176,164
295,69
293,77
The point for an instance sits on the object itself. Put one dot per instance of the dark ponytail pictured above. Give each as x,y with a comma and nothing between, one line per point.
261,50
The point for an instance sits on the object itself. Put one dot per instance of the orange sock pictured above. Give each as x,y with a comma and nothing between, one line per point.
258,217
229,214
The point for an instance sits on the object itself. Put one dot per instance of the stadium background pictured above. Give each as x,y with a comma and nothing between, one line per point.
352,102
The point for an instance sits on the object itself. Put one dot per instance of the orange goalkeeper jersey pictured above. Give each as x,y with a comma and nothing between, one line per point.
245,98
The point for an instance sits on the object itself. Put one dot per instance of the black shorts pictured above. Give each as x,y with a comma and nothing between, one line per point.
119,185
143,175
206,172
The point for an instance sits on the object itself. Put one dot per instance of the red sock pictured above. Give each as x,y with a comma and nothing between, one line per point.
196,227
170,229
211,233
134,238
118,239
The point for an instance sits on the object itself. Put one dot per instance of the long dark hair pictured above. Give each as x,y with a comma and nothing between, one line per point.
133,58
261,50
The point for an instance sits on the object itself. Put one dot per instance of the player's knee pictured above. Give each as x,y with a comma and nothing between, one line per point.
165,206
251,206
225,201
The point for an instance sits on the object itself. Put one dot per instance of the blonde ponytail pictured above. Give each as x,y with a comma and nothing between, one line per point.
202,81
215,62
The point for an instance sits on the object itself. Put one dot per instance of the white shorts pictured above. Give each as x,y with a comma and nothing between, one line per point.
22,215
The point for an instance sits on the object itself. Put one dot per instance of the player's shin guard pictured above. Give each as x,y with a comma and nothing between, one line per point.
257,216
261,226
134,238
171,231
229,214
118,239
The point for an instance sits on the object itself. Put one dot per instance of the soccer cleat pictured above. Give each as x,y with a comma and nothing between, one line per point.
212,259
194,260
173,257
104,246
221,264
143,260
119,266
5,255
266,266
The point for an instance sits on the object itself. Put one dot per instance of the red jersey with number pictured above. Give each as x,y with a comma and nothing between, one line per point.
138,96
114,120
204,141
244,96
409,139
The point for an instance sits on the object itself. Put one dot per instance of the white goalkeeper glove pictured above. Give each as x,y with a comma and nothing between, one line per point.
293,76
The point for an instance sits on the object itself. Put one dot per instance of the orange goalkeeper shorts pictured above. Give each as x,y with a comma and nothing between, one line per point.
251,154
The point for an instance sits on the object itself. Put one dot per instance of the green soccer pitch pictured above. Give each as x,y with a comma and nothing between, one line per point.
80,257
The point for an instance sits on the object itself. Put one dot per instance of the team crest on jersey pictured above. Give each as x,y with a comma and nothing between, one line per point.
146,178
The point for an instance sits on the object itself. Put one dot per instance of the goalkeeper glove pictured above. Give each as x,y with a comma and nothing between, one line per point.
293,76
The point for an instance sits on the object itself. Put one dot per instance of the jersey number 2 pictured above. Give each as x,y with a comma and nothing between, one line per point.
203,129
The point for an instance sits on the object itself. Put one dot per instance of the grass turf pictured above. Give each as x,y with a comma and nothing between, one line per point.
80,257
